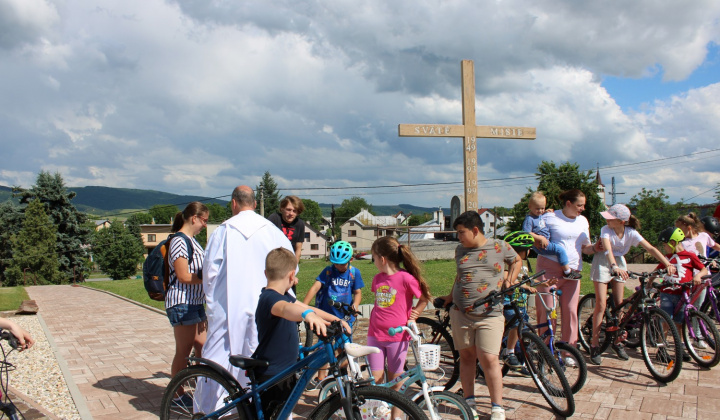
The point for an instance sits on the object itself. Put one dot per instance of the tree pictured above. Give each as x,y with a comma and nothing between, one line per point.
654,211
163,213
218,213
71,229
11,220
312,213
139,219
553,180
34,249
349,208
268,193
417,220
117,251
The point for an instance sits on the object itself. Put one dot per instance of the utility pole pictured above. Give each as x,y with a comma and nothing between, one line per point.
612,191
262,202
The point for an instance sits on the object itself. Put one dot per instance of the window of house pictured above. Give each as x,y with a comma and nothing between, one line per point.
353,244
388,232
307,236
314,247
352,233
151,237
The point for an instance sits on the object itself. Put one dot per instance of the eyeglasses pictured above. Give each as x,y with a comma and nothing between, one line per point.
203,220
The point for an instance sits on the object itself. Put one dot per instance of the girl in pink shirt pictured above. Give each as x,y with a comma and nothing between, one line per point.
394,290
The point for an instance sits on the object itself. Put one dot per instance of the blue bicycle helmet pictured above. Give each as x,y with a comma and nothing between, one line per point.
340,252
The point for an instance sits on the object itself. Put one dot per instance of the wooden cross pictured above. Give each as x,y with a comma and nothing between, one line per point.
469,132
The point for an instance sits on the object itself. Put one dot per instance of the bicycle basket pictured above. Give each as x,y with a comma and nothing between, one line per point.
429,356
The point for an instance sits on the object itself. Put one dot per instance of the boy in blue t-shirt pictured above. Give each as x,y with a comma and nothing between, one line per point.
339,282
276,316
535,226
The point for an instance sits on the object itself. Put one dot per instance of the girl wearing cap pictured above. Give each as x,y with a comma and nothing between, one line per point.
609,266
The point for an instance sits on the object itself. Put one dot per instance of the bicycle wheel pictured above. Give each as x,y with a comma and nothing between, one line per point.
586,308
575,371
708,310
547,375
327,388
449,371
201,390
308,334
374,402
661,346
704,349
447,405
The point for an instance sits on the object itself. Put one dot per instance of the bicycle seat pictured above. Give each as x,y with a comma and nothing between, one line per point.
356,350
248,363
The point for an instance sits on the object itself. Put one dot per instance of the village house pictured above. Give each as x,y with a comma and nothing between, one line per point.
362,229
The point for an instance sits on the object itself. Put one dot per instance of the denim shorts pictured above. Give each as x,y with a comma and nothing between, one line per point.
509,313
668,303
184,314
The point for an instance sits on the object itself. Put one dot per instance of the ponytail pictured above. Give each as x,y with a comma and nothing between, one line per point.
634,222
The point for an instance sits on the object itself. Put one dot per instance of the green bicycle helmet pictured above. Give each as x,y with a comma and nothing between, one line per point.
519,240
671,234
340,252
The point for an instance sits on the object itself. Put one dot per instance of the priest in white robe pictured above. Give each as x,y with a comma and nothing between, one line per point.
233,277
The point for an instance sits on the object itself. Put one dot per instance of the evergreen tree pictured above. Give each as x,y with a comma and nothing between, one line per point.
34,249
72,230
553,180
11,220
267,191
163,214
117,251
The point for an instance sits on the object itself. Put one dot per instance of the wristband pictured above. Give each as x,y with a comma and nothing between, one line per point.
307,311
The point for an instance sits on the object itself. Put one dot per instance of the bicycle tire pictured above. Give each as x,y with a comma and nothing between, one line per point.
665,362
327,389
447,405
707,308
547,374
449,372
710,355
308,335
631,328
575,375
374,402
188,379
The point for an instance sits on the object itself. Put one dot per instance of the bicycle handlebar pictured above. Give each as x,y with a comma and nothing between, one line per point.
345,308
12,340
414,333
495,297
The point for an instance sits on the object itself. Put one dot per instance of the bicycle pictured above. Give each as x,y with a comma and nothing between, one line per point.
544,369
441,404
213,392
6,405
438,332
640,313
697,328
710,306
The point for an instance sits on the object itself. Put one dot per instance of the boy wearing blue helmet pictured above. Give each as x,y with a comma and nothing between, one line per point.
339,282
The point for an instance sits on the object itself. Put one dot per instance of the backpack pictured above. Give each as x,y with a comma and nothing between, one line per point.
156,268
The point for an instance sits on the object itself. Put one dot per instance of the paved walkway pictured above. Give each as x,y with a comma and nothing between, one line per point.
119,354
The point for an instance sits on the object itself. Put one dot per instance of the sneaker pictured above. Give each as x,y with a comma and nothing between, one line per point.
312,384
595,358
620,351
569,362
663,356
184,401
512,361
701,344
497,413
573,275
686,356
524,372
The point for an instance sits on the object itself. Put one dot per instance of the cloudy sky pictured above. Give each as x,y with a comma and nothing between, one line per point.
198,96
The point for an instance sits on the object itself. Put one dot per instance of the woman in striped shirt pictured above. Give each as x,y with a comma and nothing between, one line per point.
185,300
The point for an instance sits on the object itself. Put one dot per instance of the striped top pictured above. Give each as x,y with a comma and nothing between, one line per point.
178,292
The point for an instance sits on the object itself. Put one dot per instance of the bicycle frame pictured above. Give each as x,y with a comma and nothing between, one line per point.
550,315
319,354
686,304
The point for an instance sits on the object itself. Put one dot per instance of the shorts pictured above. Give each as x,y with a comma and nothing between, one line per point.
600,270
668,302
509,313
184,314
394,352
483,332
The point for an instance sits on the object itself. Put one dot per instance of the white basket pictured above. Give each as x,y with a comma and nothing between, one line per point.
429,356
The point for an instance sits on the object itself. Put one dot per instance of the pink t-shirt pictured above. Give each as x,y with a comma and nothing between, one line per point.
699,244
393,302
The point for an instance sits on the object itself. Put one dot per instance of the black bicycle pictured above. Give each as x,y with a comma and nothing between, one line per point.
6,405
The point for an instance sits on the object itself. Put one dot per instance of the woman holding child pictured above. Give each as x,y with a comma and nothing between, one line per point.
569,228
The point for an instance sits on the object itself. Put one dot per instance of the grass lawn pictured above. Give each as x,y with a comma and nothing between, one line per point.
12,297
439,275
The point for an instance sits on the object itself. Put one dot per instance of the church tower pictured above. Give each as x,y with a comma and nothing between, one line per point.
601,187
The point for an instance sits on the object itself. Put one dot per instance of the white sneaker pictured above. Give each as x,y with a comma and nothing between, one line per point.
701,344
569,362
497,413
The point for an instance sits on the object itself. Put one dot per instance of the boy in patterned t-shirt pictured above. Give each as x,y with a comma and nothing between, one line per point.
478,332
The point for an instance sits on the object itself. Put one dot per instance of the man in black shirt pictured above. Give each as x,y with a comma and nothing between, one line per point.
289,221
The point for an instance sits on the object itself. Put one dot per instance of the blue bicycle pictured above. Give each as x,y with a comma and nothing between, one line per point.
206,390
